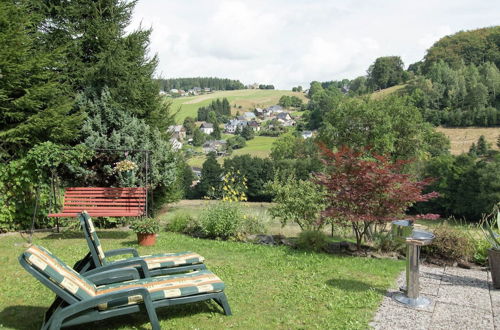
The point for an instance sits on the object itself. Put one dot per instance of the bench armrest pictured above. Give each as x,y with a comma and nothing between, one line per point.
104,298
119,252
100,277
126,263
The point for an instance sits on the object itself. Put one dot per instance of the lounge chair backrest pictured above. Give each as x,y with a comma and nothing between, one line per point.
93,241
58,272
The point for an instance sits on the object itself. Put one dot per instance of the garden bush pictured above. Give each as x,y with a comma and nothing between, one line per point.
312,240
221,220
179,223
451,243
252,225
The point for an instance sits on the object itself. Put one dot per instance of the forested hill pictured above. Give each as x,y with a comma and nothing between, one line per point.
472,47
220,84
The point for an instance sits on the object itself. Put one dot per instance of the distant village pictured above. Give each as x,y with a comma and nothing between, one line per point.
271,121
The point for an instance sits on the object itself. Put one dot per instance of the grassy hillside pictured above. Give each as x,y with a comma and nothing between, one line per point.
462,138
259,146
386,92
248,99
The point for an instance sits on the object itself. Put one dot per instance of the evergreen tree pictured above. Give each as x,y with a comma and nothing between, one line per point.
100,54
482,146
198,137
247,133
211,174
35,106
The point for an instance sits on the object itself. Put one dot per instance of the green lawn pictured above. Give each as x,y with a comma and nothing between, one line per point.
248,99
267,287
259,146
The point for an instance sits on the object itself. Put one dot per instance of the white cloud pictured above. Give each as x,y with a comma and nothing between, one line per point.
288,43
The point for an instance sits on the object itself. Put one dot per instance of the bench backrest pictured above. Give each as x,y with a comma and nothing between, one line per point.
104,202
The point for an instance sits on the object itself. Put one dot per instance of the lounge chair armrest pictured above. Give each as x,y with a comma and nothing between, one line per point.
100,277
104,298
123,251
126,263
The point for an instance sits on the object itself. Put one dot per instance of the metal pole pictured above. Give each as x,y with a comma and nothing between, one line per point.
412,275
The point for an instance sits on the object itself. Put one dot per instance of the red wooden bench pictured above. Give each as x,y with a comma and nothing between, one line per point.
104,202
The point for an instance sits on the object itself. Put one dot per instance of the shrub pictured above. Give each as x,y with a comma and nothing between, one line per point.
312,240
480,254
383,241
252,225
221,220
179,223
451,243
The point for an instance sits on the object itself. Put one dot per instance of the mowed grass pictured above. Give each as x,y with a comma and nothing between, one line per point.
267,287
461,139
259,146
248,99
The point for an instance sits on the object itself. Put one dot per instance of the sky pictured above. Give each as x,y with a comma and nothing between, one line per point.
294,42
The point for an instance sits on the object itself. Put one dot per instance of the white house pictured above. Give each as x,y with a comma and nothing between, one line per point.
207,128
233,125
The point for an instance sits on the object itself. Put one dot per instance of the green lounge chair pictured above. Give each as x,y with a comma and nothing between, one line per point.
150,265
91,297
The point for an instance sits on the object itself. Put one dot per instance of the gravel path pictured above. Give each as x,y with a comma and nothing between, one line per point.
461,299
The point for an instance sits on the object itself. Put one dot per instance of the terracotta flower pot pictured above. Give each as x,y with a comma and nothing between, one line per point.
494,260
146,239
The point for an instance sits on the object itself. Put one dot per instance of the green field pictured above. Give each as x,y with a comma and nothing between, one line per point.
248,99
259,146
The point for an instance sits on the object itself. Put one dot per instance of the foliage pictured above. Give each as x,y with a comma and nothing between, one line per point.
221,220
489,225
290,101
362,190
25,184
257,171
469,47
468,187
387,126
312,240
198,137
221,109
234,186
110,127
125,165
213,83
180,223
451,243
297,201
266,86
35,103
236,142
190,125
100,56
458,96
386,72
247,133
211,177
385,242
145,226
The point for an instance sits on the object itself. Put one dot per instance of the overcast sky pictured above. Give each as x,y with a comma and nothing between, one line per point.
293,42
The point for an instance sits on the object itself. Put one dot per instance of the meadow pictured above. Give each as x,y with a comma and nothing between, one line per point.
247,99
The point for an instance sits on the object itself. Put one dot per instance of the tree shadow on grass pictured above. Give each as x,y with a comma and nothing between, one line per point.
354,285
108,234
22,317
30,317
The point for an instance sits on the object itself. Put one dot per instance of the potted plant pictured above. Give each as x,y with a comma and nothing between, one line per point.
494,238
146,230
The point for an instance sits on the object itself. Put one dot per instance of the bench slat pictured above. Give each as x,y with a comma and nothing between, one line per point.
106,202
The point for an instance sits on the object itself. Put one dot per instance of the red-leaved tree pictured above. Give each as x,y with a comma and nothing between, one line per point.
363,187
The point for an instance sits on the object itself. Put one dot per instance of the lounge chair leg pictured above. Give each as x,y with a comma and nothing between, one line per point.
153,318
222,302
